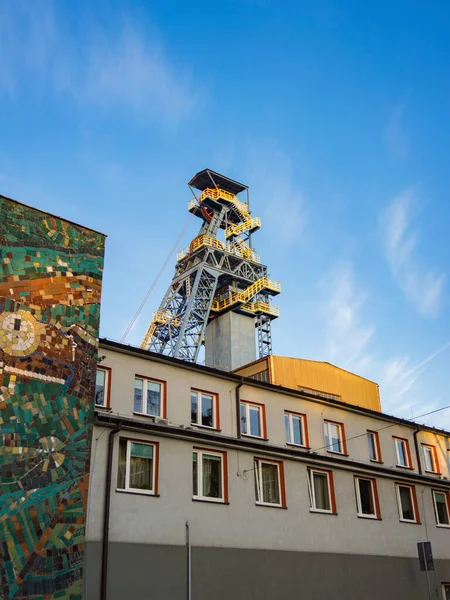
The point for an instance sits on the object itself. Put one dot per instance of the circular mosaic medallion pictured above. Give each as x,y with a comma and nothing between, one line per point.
20,333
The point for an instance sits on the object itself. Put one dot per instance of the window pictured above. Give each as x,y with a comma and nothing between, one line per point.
402,453
321,491
253,420
269,483
334,437
296,429
209,475
441,508
204,409
102,383
374,446
446,591
430,458
407,503
138,465
367,498
149,397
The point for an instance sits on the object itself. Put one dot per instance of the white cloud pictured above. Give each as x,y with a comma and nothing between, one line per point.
346,334
422,286
272,179
125,70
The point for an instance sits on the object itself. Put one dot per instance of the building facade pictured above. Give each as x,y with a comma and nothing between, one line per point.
282,492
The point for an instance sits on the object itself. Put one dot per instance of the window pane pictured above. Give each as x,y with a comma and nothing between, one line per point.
372,446
255,428
243,419
212,476
441,508
406,503
366,497
207,410
270,488
401,452
287,428
138,387
194,409
100,382
428,459
141,466
297,430
321,493
335,434
122,464
153,398
447,591
194,474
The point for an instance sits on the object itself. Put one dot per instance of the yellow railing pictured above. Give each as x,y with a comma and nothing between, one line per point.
159,317
254,223
264,283
182,253
217,193
240,250
261,307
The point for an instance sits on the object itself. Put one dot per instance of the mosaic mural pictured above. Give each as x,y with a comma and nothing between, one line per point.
50,286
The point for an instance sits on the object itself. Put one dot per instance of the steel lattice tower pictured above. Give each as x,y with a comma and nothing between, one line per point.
214,277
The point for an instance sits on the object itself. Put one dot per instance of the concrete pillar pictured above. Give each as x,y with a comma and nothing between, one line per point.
230,341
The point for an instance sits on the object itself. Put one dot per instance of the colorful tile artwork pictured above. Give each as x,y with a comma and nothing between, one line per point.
50,285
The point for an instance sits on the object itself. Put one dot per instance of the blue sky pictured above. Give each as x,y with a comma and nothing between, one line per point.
335,113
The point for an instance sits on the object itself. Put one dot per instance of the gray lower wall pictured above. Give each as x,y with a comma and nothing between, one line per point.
157,572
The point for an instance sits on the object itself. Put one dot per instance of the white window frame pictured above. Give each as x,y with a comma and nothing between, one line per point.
399,503
248,406
431,450
145,381
258,462
340,427
447,504
200,454
105,387
444,585
374,436
291,416
312,494
127,487
406,453
375,515
214,403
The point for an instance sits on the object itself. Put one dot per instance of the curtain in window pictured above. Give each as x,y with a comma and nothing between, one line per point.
122,464
320,481
100,388
269,483
441,507
141,467
212,480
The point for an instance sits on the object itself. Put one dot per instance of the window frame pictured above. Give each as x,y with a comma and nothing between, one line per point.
331,492
436,470
444,591
304,427
415,505
163,403
377,446
200,451
155,482
215,403
342,440
107,387
262,419
375,499
407,452
257,462
447,504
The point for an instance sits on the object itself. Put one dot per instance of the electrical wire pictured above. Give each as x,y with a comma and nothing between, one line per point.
155,281
354,437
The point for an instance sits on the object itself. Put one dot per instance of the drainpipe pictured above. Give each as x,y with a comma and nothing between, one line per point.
416,446
238,408
106,512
